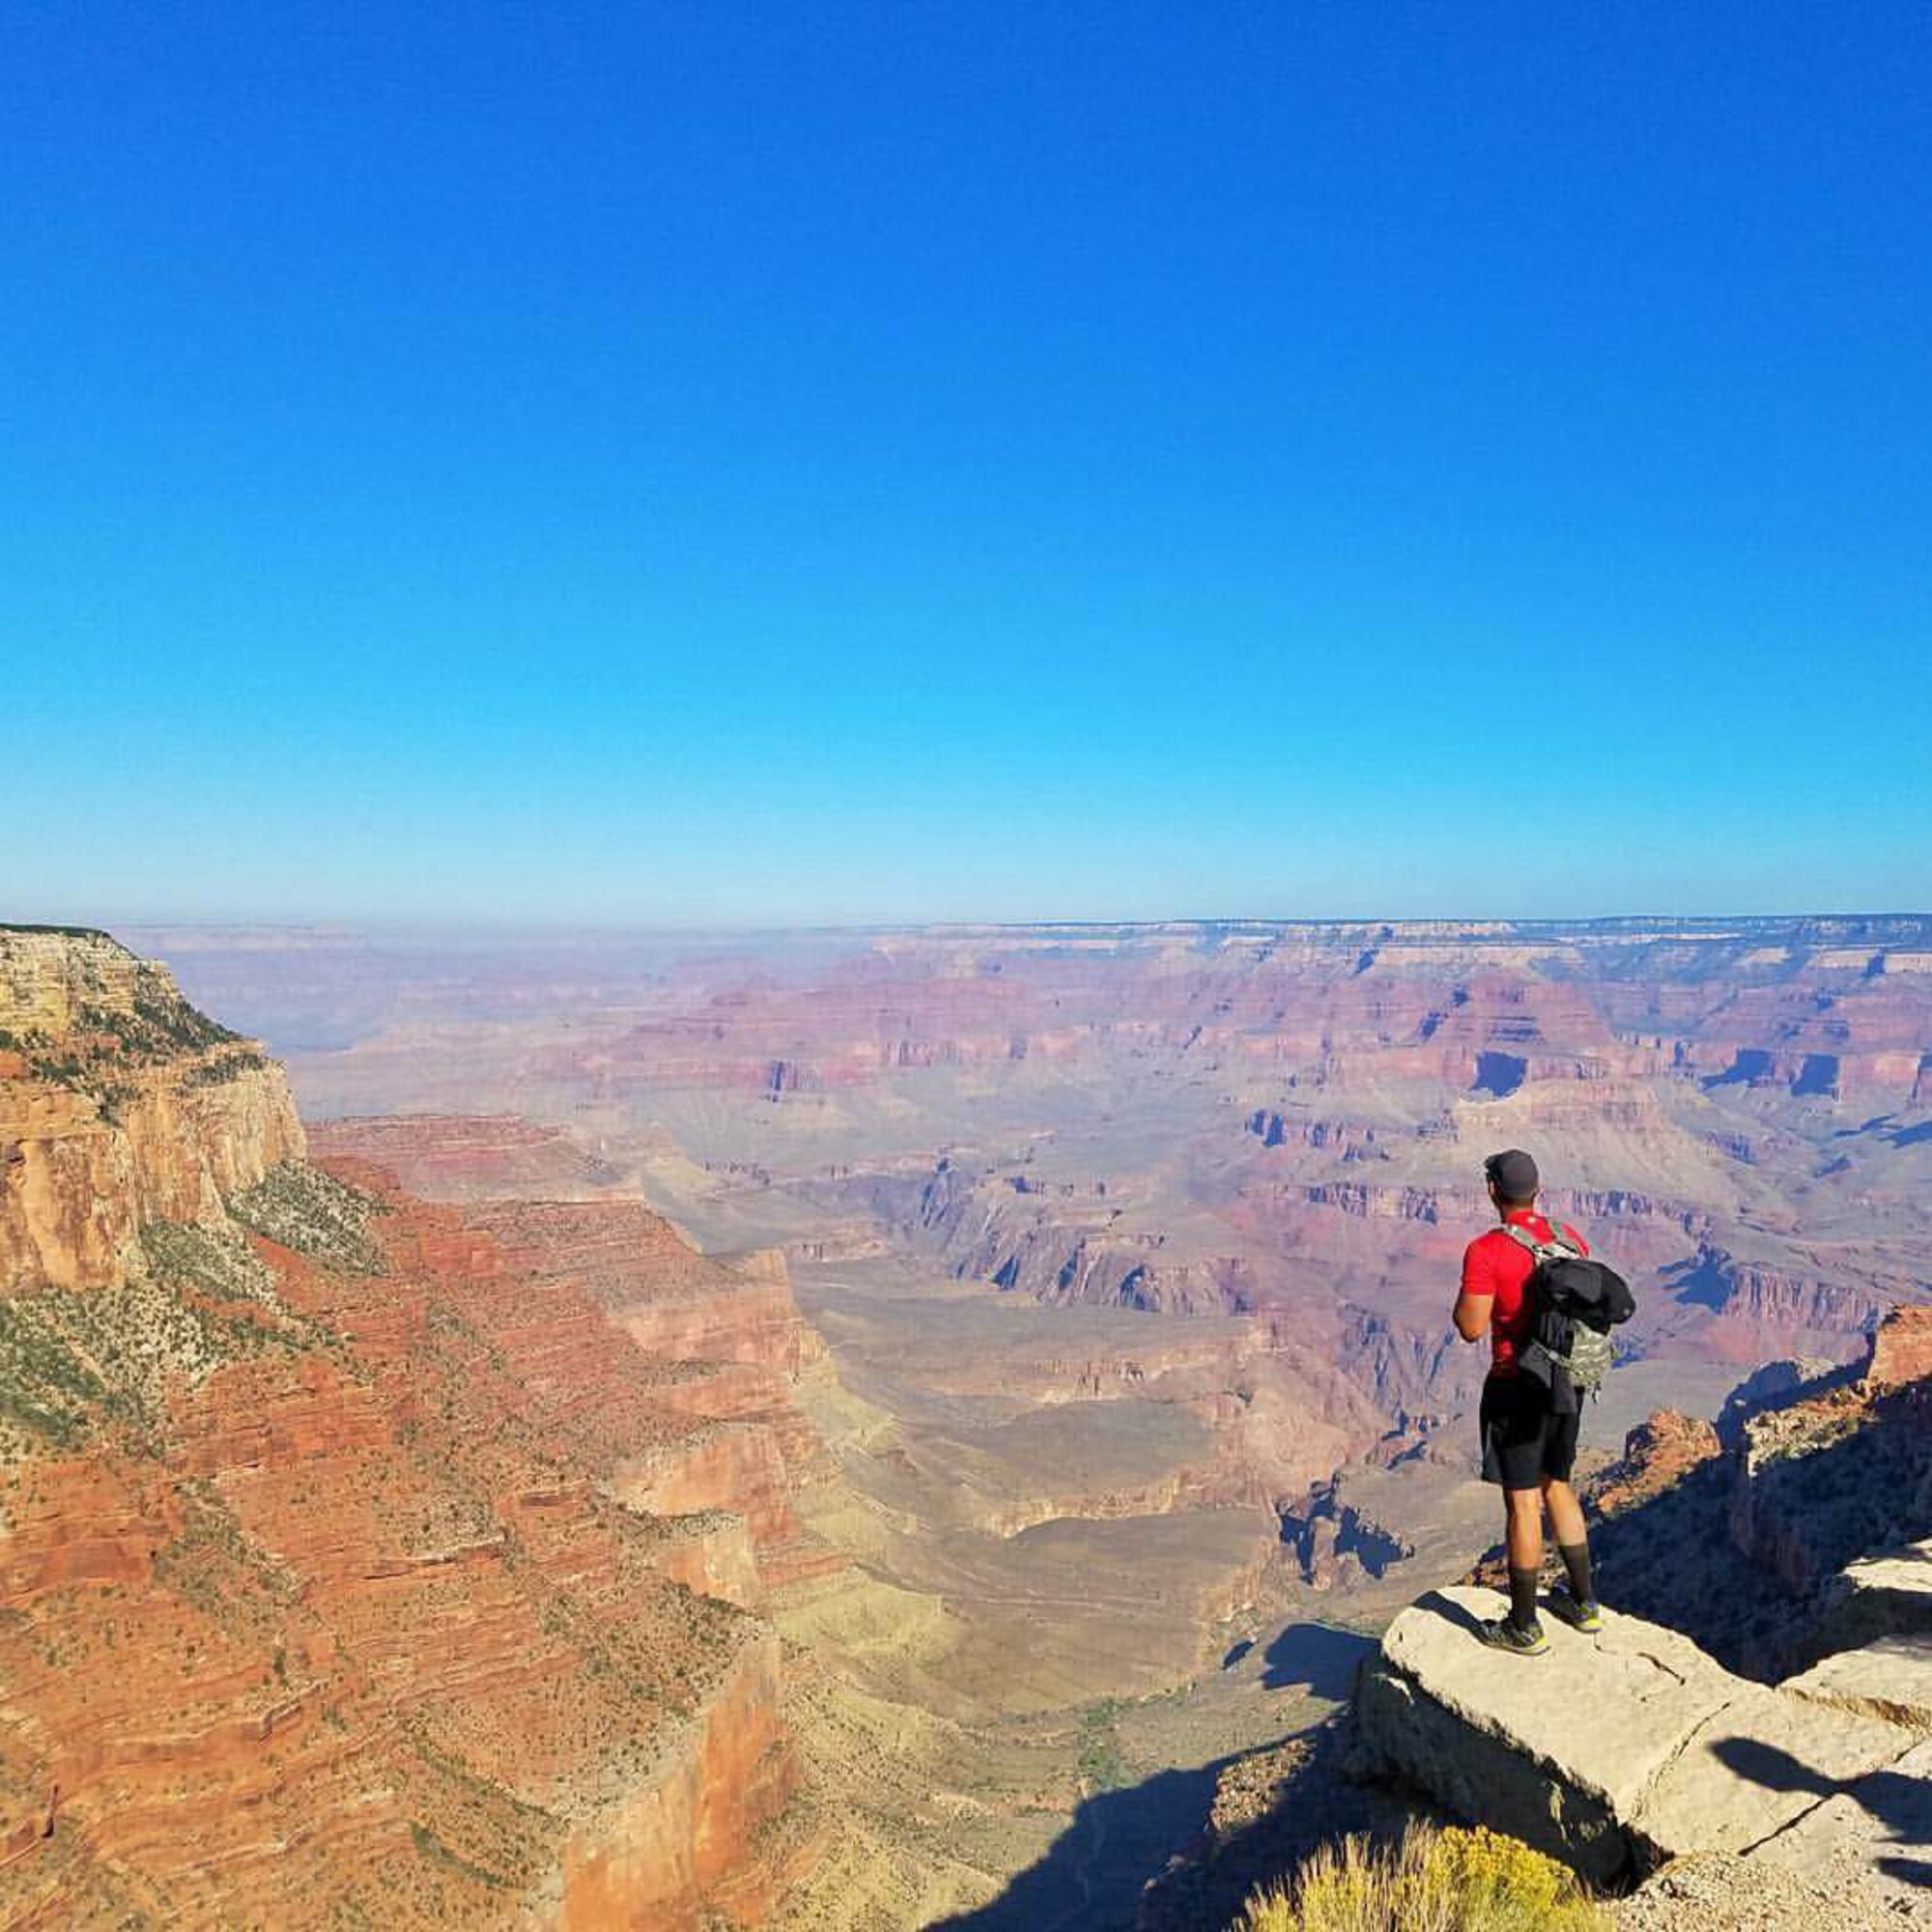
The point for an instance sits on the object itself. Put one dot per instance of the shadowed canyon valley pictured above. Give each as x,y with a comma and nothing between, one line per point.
777,1429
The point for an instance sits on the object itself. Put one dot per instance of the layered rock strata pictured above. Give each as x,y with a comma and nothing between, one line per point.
328,1586
120,1105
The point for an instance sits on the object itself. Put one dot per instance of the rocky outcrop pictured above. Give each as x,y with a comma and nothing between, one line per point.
328,1585
1787,1301
663,1856
471,1157
1065,1249
1890,1676
740,1469
1659,1453
125,1106
1642,1748
1335,1543
1620,1754
1883,1594
1901,1353
672,1300
711,1553
1741,1536
743,1312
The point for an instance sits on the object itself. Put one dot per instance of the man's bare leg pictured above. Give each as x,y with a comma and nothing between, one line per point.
1565,1513
1524,1534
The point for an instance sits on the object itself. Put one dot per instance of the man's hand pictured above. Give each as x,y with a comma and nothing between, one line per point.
1471,1316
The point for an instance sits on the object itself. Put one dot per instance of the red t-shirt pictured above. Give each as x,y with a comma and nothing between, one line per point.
1495,1266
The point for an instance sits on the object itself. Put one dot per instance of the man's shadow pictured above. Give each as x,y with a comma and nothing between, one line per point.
1902,1804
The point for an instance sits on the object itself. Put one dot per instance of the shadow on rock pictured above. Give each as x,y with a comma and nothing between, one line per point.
1277,1805
1901,1805
1317,1658
1451,1612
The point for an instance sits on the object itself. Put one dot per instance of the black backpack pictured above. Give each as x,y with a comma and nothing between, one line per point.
1577,1301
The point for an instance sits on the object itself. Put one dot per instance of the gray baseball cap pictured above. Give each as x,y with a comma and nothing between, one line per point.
1514,1173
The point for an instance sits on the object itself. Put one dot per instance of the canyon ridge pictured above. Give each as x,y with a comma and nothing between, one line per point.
858,1428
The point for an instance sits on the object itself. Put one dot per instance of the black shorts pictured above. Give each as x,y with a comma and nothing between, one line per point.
1522,1442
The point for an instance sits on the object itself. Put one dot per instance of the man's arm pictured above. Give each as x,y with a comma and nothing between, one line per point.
1471,1313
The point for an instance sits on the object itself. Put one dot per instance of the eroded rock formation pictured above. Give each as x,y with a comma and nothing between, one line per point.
328,1580
1742,1542
122,1105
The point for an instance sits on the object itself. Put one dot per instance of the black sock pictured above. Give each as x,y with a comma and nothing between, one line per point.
1577,1560
1522,1599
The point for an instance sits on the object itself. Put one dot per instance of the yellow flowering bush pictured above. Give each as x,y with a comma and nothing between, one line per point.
1451,1881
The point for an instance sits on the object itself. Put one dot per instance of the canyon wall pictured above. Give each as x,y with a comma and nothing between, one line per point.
121,1105
328,1580
1137,1242
1734,1533
1188,1117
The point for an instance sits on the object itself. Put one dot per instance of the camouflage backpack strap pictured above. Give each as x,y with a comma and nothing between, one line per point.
1556,1248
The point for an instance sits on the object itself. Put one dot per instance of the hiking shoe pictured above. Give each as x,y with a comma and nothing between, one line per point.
1500,1633
1587,1616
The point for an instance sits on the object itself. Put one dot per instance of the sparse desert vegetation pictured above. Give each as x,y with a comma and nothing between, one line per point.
313,1214
1430,1881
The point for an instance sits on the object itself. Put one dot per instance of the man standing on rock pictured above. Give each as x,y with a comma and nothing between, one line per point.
1529,1447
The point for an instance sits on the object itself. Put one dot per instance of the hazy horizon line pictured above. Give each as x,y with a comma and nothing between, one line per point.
469,924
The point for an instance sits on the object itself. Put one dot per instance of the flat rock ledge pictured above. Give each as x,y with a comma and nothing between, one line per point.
1886,1594
1622,1753
1890,1678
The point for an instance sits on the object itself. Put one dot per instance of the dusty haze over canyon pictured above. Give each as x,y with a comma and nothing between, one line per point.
777,1426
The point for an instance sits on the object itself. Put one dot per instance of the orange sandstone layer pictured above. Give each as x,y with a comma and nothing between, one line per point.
391,1623
125,1106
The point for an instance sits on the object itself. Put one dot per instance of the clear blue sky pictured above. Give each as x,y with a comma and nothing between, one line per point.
837,461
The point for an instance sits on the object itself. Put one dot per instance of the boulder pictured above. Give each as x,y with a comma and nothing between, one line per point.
1615,1754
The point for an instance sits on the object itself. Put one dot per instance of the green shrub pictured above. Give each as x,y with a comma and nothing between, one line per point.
430,1846
309,1213
215,1262
229,1067
47,1391
73,1362
1101,1766
160,1024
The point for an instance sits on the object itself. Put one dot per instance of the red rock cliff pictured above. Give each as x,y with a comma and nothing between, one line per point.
325,1586
125,1106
